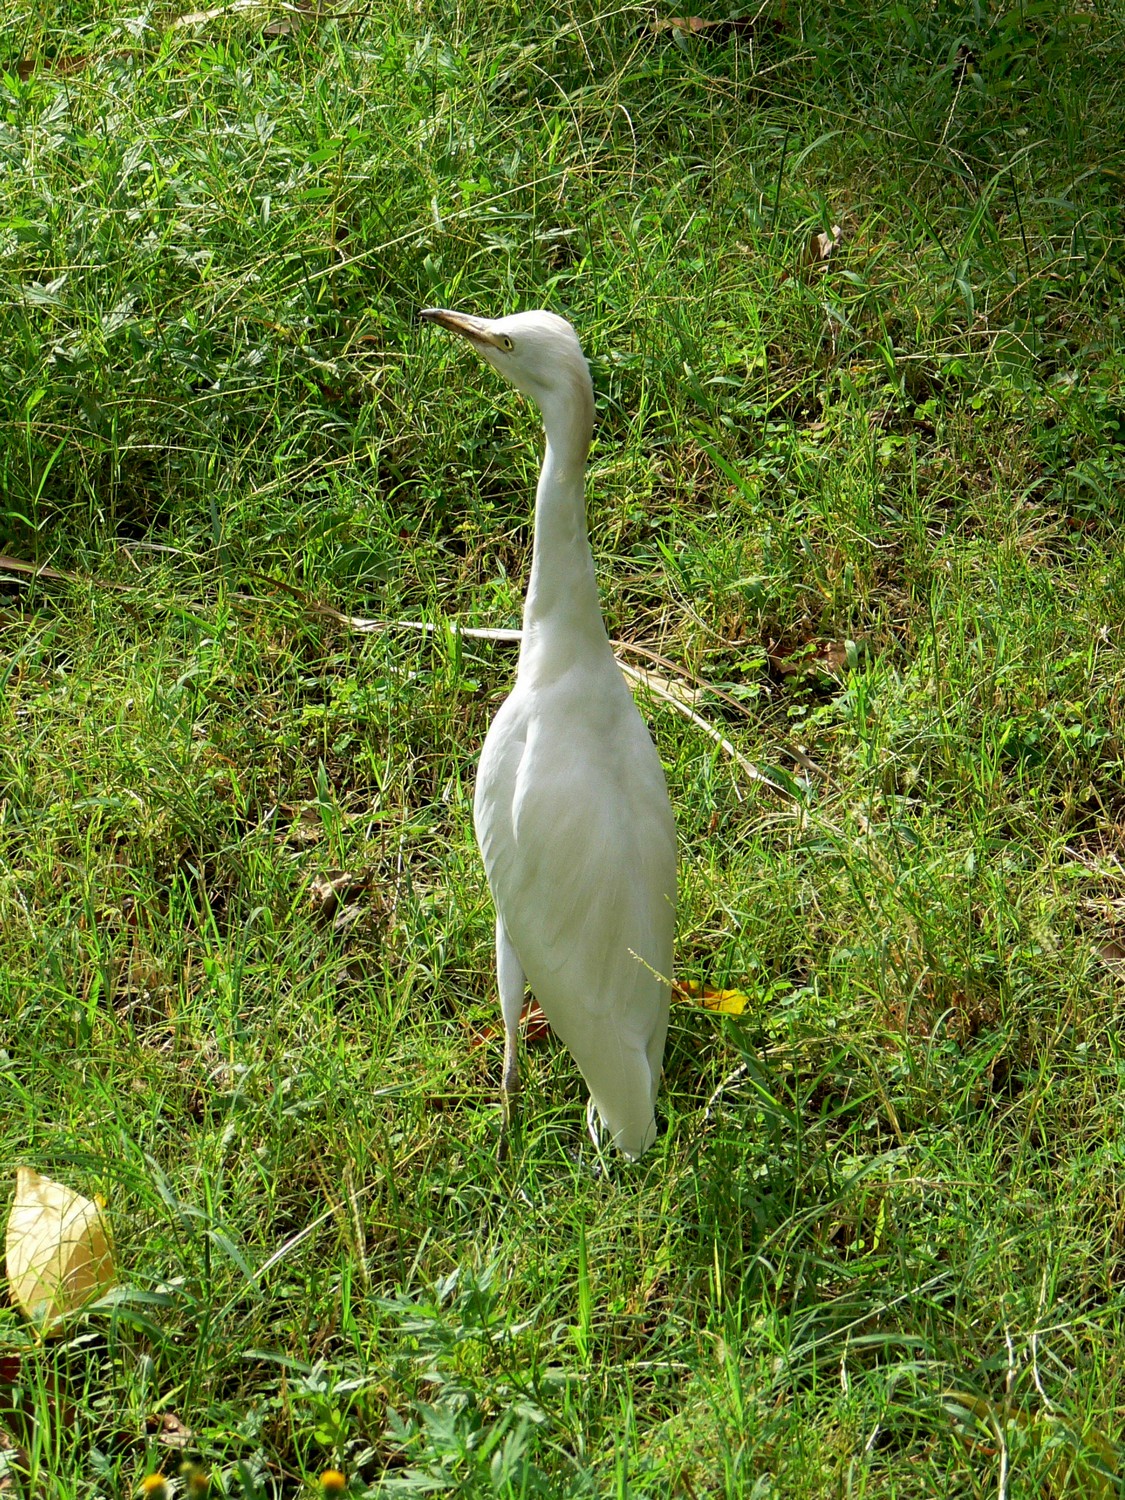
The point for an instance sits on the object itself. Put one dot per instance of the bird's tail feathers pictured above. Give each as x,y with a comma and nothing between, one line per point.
626,1109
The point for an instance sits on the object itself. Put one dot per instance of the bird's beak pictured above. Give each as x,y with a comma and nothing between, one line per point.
476,330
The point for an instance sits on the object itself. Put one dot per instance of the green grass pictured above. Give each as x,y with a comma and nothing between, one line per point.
899,1172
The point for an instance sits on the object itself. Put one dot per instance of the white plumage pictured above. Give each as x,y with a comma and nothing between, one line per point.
571,810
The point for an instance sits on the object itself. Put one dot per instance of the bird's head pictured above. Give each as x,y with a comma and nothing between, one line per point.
538,352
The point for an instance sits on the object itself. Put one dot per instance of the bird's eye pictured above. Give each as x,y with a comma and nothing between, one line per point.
507,343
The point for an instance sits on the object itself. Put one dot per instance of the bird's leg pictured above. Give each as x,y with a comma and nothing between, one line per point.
592,1124
511,982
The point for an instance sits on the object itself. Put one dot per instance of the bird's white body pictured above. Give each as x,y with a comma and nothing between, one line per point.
571,810
574,825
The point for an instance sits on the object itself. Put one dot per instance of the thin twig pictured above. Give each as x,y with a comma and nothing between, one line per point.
364,626
647,679
655,686
636,649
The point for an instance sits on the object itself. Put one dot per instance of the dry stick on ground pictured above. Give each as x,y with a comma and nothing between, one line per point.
656,687
647,679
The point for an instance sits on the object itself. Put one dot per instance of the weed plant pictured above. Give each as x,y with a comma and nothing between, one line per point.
875,501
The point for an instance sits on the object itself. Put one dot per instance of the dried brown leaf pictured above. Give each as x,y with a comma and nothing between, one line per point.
169,1431
535,1026
821,246
347,917
306,828
329,887
716,30
28,66
816,658
693,25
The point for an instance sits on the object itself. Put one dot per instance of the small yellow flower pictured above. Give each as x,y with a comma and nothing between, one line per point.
332,1482
197,1481
154,1486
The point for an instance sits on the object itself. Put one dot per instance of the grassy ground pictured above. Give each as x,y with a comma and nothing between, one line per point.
877,504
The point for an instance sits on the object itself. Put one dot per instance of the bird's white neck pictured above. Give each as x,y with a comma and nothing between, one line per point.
562,619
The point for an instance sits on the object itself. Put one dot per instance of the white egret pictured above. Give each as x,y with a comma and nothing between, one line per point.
571,809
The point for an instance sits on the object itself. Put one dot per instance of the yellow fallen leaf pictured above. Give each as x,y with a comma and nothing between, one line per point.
723,1002
58,1250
